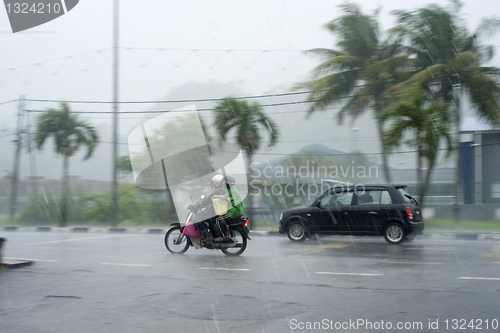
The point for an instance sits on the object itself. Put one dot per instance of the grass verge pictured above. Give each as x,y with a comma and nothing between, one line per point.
436,224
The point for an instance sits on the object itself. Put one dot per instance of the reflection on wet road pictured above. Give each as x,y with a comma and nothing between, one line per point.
130,283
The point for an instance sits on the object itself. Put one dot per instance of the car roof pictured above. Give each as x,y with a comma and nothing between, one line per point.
397,186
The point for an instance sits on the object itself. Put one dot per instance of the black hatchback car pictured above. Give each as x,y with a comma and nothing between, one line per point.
372,210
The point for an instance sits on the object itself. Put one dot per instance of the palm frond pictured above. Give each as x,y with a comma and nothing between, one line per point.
484,94
421,78
68,131
325,53
339,63
329,89
464,61
353,108
247,120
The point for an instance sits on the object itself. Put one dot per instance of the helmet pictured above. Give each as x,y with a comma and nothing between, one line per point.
216,181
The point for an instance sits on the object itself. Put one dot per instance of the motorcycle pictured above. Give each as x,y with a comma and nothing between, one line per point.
176,242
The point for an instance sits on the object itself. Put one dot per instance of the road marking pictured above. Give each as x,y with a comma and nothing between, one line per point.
117,264
30,259
430,248
324,247
226,269
413,262
494,253
358,274
478,278
442,253
76,239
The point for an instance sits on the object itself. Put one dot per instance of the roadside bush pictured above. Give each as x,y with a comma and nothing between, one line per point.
136,207
45,210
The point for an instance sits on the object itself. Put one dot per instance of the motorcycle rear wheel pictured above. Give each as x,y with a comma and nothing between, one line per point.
175,241
241,245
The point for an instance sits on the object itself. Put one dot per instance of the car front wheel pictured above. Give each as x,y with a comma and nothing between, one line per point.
394,233
296,232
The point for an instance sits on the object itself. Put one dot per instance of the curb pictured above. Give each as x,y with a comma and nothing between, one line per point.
111,230
433,235
86,230
16,263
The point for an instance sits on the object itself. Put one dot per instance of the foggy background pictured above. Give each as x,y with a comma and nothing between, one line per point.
211,49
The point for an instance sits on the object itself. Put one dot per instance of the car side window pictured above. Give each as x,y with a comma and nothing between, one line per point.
337,199
327,200
365,198
344,199
385,198
374,197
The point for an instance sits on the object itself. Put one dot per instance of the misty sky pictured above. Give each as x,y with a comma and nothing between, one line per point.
212,27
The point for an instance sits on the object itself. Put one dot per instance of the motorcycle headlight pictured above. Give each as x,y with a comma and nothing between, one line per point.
281,216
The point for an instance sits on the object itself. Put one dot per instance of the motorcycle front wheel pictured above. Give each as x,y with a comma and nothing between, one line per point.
175,241
240,246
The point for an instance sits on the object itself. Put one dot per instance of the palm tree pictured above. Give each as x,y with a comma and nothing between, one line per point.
69,135
448,62
360,70
247,119
426,122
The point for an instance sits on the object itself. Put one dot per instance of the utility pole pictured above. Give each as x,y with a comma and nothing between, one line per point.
456,205
114,190
17,160
34,187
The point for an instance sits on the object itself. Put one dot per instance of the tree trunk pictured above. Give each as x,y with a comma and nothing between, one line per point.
64,192
249,209
456,206
425,185
419,172
385,161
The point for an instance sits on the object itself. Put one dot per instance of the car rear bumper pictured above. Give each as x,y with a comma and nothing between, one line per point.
416,227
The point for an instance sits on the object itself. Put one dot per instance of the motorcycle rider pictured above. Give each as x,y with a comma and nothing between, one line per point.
224,189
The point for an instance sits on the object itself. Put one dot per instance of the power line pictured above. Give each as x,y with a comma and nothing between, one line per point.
178,101
212,109
334,154
363,154
8,117
220,99
6,135
215,99
213,50
53,60
154,49
159,49
11,101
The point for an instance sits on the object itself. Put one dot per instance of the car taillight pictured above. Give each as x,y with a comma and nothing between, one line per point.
409,214
245,224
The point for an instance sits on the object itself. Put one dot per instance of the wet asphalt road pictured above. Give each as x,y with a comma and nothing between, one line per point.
130,283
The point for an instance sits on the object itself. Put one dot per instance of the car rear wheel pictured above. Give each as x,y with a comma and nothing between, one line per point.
296,232
394,233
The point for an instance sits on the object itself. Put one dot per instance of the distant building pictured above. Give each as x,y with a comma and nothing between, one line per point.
480,161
